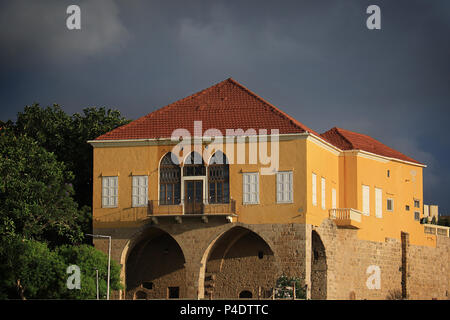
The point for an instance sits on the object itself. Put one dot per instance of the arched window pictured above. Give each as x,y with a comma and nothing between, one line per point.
169,180
194,165
140,295
219,178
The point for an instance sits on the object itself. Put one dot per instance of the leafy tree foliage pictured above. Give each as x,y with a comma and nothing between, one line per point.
89,260
31,270
66,136
35,193
45,202
285,288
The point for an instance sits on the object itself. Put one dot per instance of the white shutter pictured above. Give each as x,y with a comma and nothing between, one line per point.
139,191
279,187
250,188
290,184
323,193
314,189
110,191
284,187
333,198
115,191
365,200
378,203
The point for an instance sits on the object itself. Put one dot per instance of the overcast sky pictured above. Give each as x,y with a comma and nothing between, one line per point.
316,60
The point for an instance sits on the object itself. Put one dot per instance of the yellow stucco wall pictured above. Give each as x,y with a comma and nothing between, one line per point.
345,172
144,160
348,172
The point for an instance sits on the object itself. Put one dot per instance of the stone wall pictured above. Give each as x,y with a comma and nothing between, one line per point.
222,259
284,247
425,270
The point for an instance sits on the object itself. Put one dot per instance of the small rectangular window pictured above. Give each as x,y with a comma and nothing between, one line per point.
416,215
250,182
323,193
110,192
388,173
139,191
284,187
366,200
407,208
416,203
333,198
314,189
378,203
390,204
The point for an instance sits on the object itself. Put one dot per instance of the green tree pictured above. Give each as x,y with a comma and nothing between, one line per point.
285,287
89,259
35,193
66,136
29,270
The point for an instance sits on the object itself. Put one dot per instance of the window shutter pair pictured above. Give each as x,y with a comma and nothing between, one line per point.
140,191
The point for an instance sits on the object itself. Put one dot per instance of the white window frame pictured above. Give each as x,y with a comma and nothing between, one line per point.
110,192
392,204
139,193
378,203
323,192
366,200
285,187
314,189
333,198
250,196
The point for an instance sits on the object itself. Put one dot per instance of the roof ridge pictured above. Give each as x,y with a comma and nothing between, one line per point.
194,95
281,113
408,158
342,136
168,106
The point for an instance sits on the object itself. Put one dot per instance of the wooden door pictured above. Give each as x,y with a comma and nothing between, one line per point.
193,196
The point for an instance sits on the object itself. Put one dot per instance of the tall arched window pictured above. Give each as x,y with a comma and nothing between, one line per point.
169,180
219,178
194,165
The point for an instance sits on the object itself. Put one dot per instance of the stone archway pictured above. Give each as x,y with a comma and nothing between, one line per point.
239,260
155,267
318,268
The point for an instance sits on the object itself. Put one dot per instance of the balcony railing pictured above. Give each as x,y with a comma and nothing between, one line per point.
437,230
345,217
156,207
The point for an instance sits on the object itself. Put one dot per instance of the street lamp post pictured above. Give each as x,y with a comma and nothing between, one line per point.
96,274
109,259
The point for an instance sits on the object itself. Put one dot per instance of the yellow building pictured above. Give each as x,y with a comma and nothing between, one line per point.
223,164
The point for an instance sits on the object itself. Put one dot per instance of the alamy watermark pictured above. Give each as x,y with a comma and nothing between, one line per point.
74,280
257,142
73,21
374,280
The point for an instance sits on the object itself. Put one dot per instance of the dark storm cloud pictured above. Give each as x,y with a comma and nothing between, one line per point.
314,59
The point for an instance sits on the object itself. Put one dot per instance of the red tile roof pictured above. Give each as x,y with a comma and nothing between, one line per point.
230,105
349,140
226,105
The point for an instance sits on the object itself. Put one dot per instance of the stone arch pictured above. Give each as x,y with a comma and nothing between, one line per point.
318,268
154,262
237,260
